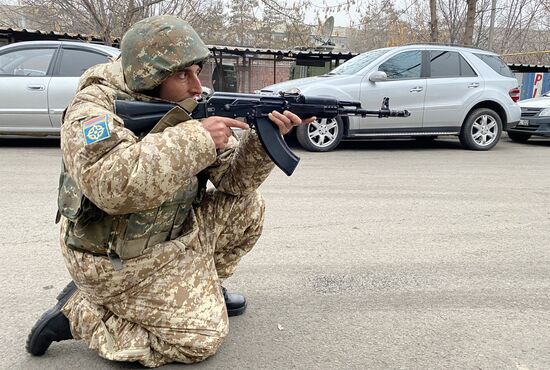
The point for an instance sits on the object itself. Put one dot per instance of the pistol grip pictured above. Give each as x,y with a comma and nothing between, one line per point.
275,146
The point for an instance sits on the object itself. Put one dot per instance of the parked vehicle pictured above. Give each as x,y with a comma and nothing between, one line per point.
449,90
39,79
535,119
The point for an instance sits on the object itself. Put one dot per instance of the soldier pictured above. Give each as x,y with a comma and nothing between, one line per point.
146,246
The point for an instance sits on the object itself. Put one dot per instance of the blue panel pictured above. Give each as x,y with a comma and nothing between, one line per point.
546,83
527,85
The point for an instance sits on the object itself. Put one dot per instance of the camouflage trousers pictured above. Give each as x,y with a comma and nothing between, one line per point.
165,305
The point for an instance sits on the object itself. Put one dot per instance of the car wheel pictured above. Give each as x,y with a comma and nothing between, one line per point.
322,135
481,130
519,137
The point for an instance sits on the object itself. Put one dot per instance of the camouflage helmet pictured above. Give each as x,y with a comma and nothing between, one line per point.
155,48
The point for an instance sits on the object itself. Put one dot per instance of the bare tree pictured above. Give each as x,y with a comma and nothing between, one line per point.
433,21
515,20
271,29
242,21
470,19
211,24
291,19
108,19
416,17
280,33
516,28
492,22
375,27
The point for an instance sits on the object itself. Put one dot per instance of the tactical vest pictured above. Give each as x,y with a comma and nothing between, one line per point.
126,236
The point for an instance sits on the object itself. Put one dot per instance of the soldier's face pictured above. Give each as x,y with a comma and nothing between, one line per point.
183,85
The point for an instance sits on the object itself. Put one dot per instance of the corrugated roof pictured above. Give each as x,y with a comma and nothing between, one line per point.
285,52
525,67
52,33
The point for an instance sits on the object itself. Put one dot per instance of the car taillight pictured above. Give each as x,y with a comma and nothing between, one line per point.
514,94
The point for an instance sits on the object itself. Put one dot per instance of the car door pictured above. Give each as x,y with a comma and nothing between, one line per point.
72,62
452,85
25,74
405,87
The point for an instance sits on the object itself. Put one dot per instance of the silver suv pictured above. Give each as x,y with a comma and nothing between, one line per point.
449,90
39,79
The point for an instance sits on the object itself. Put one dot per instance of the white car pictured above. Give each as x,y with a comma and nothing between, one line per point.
448,90
39,79
535,119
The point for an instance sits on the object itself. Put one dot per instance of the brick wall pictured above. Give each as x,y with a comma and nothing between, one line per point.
261,74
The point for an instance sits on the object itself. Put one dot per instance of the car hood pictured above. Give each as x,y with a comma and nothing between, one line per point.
303,83
540,102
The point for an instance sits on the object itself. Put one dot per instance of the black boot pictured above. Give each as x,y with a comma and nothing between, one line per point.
52,326
235,303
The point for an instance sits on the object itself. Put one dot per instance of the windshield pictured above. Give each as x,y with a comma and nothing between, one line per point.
357,63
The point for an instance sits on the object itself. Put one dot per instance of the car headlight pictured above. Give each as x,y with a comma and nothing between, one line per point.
544,112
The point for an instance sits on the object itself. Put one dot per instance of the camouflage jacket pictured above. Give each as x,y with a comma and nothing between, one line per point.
124,174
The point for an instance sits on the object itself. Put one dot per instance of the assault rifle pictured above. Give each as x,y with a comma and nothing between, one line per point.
141,117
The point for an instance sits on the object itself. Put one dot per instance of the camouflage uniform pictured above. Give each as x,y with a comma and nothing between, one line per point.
165,304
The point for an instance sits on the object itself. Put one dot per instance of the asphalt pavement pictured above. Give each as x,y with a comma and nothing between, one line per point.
379,255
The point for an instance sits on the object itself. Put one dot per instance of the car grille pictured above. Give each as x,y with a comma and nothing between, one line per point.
530,112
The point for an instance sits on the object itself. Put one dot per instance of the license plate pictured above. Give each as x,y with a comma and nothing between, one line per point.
523,122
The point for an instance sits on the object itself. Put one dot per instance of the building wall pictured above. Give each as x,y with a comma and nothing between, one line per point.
261,73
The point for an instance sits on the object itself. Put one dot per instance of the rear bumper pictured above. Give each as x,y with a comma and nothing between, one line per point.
535,126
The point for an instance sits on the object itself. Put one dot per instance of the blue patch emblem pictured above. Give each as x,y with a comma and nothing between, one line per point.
96,129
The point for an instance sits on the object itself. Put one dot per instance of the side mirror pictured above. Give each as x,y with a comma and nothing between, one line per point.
378,76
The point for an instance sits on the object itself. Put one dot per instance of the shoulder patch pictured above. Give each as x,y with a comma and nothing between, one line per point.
96,129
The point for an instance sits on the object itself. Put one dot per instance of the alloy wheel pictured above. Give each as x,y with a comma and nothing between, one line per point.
484,130
323,132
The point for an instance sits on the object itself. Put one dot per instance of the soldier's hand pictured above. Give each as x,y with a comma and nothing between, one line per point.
219,129
286,120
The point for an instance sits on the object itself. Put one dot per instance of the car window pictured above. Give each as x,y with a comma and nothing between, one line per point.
74,62
403,66
466,69
445,63
357,63
496,64
26,62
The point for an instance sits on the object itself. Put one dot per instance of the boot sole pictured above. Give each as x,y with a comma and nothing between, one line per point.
62,298
37,329
236,311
